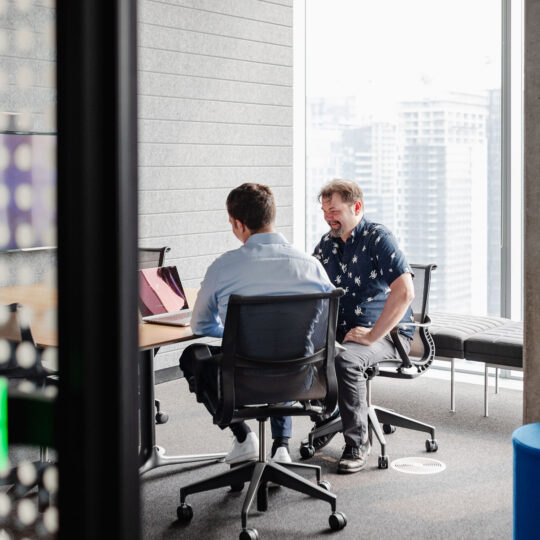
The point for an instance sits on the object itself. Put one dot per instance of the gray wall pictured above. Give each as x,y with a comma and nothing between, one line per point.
215,110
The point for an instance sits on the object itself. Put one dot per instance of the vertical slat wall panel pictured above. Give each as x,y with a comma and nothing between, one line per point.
215,110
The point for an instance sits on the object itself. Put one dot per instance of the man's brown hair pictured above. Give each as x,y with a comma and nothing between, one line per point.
253,205
350,191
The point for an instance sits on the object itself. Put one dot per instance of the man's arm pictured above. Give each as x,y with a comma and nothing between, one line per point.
399,299
205,319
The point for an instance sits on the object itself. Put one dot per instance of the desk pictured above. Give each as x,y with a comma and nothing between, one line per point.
43,299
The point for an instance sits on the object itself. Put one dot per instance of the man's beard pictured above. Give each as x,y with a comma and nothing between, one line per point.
336,233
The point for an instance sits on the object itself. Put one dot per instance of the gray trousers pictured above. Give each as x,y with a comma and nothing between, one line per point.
352,392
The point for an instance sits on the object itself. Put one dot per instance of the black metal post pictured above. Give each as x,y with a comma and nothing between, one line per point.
97,264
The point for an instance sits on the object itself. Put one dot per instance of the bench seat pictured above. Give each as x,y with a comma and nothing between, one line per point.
495,341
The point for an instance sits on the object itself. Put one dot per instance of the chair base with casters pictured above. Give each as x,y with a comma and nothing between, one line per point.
258,474
377,417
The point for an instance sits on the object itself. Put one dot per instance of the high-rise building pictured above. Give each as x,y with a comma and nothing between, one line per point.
442,196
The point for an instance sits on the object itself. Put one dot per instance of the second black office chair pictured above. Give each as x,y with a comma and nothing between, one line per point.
405,366
275,349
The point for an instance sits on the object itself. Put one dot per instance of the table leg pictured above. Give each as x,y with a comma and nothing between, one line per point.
151,455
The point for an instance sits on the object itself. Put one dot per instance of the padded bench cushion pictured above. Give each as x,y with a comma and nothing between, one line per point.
501,346
450,330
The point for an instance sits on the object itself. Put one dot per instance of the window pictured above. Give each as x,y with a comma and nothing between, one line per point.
413,114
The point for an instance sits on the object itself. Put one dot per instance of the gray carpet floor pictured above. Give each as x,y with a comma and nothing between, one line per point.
471,498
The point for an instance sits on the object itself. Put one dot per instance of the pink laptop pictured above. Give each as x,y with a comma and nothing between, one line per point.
161,297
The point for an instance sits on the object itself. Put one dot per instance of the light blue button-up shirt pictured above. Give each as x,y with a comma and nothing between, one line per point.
265,265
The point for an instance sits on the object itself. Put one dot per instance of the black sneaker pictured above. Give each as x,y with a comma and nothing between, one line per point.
354,459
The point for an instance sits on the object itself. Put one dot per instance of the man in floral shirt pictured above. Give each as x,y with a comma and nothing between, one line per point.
364,259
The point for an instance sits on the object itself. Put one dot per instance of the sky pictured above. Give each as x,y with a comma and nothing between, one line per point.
389,48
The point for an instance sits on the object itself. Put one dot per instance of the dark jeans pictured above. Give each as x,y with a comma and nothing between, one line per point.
352,391
281,425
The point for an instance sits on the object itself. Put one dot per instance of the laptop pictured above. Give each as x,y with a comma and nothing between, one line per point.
161,297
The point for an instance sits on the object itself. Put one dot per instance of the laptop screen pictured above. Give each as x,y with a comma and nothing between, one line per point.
160,291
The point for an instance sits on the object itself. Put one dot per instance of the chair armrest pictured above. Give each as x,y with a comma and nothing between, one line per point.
415,324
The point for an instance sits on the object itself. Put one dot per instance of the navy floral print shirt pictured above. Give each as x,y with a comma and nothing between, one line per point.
364,266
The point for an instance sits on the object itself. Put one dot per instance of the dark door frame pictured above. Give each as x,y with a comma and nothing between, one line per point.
97,417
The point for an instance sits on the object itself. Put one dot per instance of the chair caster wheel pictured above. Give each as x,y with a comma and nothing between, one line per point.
184,513
307,451
383,462
235,488
388,429
431,445
161,418
337,521
325,485
249,534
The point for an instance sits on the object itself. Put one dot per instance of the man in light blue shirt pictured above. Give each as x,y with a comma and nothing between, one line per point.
265,265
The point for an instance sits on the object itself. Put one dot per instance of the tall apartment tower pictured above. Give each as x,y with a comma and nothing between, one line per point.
370,159
442,192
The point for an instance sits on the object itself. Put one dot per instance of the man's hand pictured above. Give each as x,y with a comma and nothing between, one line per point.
360,334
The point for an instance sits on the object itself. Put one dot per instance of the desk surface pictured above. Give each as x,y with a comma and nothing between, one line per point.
43,300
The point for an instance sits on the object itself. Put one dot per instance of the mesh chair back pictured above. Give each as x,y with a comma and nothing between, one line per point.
152,257
278,348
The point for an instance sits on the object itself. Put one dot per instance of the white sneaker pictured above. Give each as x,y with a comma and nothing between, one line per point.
281,455
245,451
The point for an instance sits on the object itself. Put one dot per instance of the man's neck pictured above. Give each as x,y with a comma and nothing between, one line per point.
346,235
269,229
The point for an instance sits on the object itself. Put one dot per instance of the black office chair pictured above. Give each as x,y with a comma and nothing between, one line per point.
22,362
406,366
152,258
275,349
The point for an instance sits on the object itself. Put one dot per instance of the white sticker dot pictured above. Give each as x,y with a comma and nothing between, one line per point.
24,39
24,235
49,236
26,355
23,5
27,512
5,504
50,519
26,387
26,473
24,77
3,41
48,76
50,479
50,358
24,196
48,38
5,351
23,157
25,275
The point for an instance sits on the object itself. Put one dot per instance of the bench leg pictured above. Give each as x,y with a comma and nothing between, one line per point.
452,386
496,380
486,375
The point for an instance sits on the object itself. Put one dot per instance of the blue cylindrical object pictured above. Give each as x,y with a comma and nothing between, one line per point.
526,441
